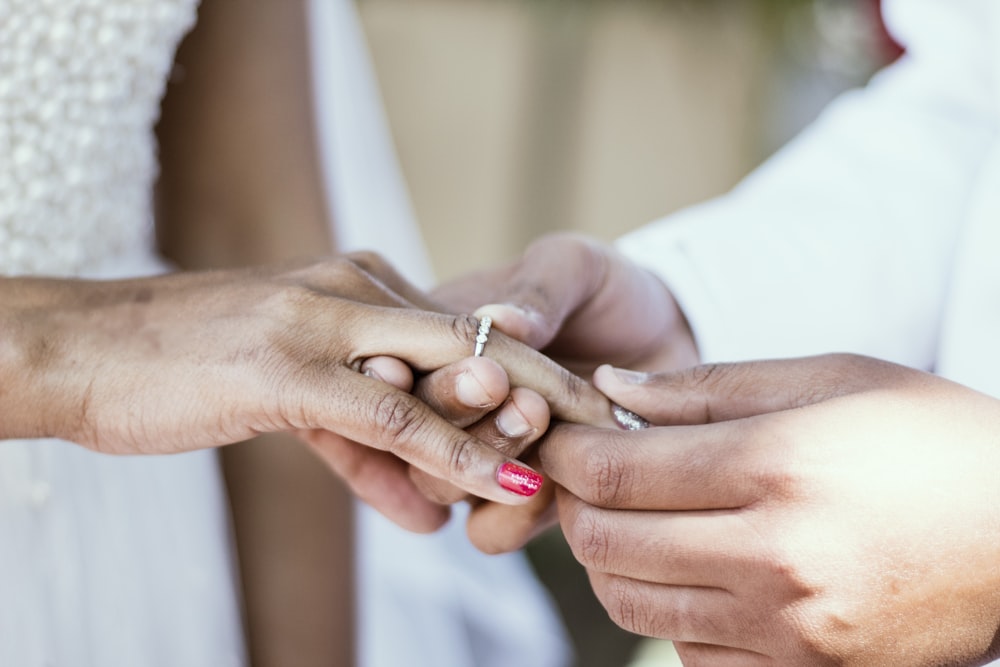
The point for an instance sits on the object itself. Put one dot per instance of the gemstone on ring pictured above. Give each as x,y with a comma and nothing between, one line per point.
484,332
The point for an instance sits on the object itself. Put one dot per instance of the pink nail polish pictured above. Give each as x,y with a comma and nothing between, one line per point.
522,481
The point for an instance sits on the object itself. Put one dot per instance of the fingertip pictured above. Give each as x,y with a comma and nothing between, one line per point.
524,414
517,322
483,383
622,386
607,376
389,370
518,479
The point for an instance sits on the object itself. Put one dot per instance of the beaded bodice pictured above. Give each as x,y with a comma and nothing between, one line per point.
80,86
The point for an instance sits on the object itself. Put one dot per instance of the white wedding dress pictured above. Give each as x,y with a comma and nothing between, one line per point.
126,561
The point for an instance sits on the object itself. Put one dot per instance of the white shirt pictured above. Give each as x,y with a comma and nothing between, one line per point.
876,231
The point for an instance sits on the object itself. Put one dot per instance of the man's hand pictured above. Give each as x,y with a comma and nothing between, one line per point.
829,510
474,394
583,304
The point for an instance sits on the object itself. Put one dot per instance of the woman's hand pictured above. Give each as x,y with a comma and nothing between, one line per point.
473,394
583,304
829,510
195,360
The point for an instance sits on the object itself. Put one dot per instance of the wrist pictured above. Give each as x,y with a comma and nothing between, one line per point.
32,373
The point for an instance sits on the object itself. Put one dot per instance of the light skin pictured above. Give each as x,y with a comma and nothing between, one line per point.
829,510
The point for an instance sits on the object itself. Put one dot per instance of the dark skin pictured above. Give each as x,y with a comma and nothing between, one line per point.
196,359
239,186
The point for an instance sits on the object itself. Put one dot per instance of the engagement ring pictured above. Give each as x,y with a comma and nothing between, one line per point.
484,334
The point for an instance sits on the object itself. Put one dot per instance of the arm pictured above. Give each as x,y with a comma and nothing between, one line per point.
239,187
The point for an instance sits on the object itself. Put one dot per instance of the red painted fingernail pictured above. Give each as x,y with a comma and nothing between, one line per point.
522,481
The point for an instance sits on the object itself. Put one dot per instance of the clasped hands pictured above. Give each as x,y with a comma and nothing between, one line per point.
826,510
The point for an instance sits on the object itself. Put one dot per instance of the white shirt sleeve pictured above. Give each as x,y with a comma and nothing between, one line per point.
844,240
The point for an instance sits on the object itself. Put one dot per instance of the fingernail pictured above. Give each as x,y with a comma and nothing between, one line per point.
501,312
627,419
370,372
512,423
519,480
471,392
630,377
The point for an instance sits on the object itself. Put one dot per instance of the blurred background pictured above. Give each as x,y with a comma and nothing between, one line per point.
514,118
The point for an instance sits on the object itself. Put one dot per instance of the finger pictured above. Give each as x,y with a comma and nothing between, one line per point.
719,392
511,430
679,613
434,340
554,277
661,468
675,548
379,479
389,370
380,416
493,528
465,391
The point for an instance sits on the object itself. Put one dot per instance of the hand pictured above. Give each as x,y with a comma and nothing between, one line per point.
473,394
583,304
187,361
829,510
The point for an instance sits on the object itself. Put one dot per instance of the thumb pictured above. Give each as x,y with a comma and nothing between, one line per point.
721,392
556,276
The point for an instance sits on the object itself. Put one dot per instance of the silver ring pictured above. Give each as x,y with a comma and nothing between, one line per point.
484,333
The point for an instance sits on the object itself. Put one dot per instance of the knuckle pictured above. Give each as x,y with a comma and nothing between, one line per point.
785,575
608,475
399,419
590,540
626,606
820,635
464,328
703,378
367,260
462,457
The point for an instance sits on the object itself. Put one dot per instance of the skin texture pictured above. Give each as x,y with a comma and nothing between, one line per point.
569,296
834,510
241,90
229,352
579,301
202,359
242,352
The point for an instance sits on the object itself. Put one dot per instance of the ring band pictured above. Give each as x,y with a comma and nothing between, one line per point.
484,333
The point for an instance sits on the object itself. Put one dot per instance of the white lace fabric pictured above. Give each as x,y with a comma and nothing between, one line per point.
80,86
106,561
